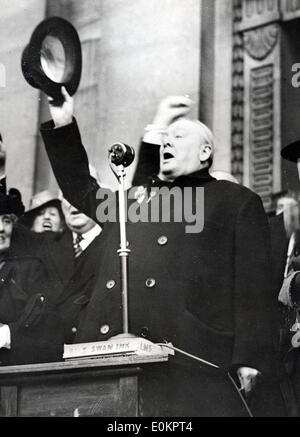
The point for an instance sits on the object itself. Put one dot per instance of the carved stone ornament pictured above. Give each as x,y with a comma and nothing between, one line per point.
260,42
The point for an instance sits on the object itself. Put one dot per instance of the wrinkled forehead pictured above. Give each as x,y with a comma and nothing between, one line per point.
186,127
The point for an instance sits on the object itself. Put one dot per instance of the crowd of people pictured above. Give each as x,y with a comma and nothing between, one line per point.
229,294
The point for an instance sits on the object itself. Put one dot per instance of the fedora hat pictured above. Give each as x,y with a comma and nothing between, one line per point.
38,201
53,58
291,152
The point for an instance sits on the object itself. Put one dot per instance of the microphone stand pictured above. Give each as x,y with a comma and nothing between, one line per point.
123,251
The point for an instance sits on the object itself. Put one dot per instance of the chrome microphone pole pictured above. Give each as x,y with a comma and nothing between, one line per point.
123,251
122,156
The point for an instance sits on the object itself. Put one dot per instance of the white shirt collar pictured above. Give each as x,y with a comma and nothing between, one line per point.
88,237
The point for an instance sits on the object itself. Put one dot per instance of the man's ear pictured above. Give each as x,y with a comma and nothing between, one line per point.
205,152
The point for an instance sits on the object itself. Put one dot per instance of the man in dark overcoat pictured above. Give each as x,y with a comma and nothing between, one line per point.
205,292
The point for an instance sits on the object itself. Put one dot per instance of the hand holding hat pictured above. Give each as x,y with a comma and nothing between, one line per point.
63,114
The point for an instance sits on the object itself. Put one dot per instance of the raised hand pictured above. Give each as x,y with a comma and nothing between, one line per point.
62,115
171,108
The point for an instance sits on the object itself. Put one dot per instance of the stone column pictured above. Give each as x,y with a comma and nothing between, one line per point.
262,111
216,76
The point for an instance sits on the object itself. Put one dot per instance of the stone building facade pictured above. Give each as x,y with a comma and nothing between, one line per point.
237,59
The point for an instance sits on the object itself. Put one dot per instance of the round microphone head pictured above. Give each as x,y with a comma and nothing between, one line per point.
121,154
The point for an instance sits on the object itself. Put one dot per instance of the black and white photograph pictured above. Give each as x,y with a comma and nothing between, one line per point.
150,211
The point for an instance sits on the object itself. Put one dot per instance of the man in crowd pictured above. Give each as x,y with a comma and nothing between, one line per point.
194,290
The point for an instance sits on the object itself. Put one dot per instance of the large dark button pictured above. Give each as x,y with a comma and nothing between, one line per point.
104,329
150,282
162,241
145,332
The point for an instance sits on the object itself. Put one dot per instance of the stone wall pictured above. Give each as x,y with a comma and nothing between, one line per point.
18,101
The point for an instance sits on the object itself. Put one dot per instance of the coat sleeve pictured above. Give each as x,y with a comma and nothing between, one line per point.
36,333
254,306
148,163
70,165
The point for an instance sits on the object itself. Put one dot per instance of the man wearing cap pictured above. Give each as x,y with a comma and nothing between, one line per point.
195,290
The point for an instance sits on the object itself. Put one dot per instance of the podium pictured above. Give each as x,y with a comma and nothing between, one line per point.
102,387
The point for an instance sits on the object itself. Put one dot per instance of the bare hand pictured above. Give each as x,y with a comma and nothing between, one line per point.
172,108
248,378
62,115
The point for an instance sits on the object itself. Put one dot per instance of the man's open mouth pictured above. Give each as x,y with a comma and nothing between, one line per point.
167,156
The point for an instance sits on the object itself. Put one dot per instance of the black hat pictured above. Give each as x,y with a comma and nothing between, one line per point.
54,43
11,203
291,152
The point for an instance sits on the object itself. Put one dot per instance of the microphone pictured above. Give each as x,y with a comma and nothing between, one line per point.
121,154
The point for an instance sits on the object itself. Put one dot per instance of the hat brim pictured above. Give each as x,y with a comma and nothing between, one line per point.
291,152
31,58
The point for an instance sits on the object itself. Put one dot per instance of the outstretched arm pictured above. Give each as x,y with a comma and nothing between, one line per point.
68,157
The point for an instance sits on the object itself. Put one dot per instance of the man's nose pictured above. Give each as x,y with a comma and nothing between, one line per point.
167,143
47,215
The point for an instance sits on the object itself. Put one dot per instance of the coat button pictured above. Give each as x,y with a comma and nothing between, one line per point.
162,241
104,329
145,332
74,330
150,282
110,284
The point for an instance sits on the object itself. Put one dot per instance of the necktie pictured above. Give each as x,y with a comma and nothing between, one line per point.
77,247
